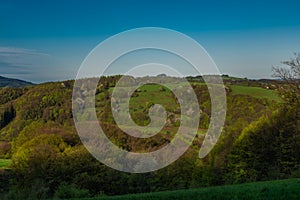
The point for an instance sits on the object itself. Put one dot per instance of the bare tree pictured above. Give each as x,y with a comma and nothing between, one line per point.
290,74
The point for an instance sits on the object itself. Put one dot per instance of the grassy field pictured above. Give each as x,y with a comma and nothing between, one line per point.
153,92
283,189
4,163
256,92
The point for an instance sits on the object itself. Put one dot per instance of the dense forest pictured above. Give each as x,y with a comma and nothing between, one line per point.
13,83
260,140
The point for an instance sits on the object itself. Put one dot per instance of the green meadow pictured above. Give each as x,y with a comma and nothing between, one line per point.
256,92
283,189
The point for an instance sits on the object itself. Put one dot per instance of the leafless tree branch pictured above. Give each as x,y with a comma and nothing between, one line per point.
290,73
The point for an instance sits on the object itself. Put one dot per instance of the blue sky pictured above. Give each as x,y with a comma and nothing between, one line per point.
47,40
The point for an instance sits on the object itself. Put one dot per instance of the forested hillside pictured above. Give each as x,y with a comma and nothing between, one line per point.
259,141
13,83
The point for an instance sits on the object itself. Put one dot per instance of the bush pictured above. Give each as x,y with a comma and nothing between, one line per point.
37,191
65,191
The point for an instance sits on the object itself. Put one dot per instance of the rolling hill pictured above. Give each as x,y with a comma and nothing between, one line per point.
13,83
42,156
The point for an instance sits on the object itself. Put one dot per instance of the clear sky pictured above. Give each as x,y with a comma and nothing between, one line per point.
47,40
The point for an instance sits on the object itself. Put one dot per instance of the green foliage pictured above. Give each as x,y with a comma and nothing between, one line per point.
267,149
4,163
36,190
9,94
46,101
37,159
37,128
5,177
7,115
66,191
46,149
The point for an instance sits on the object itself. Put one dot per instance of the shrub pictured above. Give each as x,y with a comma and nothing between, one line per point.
36,191
65,191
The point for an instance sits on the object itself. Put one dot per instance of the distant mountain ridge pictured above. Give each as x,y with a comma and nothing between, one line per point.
13,83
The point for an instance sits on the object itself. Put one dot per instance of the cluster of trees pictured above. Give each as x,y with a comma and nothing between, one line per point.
9,94
7,115
269,147
260,141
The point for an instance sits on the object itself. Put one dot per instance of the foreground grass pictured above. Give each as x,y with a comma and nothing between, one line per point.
4,163
282,189
256,92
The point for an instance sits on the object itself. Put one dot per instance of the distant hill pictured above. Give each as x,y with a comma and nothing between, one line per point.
13,83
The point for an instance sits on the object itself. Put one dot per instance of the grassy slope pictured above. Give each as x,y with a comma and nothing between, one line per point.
153,94
256,92
283,189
